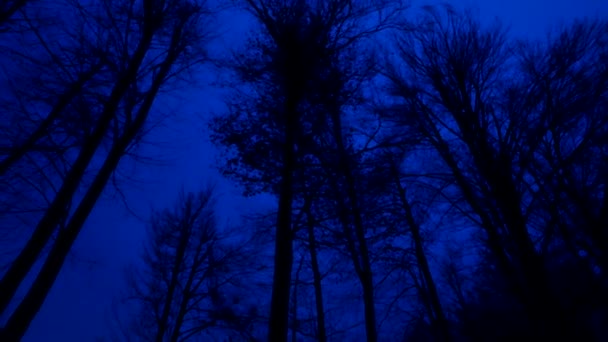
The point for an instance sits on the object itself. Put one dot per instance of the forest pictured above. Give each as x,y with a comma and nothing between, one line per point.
432,177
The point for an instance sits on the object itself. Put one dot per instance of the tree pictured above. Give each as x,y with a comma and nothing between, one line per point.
51,78
159,38
429,292
291,66
567,132
457,94
186,285
39,152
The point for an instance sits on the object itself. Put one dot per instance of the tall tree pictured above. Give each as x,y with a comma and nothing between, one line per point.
429,292
290,66
457,94
51,81
158,38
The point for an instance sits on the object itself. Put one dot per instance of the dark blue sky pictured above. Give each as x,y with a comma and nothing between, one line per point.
79,305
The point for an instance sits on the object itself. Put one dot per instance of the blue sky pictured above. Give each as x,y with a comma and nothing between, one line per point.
78,306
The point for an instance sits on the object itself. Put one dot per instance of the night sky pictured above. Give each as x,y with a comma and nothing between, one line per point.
80,302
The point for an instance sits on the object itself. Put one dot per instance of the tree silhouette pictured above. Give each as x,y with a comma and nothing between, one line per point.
174,27
489,129
435,179
292,67
188,271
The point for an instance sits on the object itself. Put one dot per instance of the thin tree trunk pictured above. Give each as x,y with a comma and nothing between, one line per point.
487,223
177,264
179,320
322,335
436,315
294,306
183,306
190,288
365,273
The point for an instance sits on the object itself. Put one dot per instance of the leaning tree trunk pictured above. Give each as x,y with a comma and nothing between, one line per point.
436,315
364,271
24,262
32,302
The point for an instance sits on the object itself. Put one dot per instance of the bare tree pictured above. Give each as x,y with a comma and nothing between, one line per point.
50,80
446,55
565,92
457,95
429,293
190,272
158,40
293,67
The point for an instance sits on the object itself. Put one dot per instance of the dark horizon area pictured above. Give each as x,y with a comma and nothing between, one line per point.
344,170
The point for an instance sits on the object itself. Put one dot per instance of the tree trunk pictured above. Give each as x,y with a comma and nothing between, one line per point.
283,252
365,272
55,213
183,306
322,335
436,315
190,287
488,224
294,303
31,304
177,264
